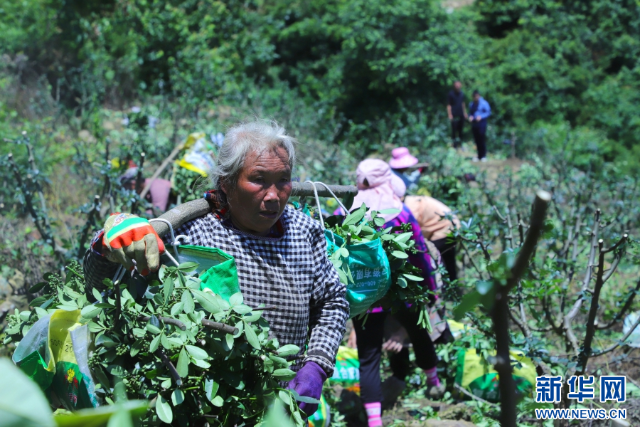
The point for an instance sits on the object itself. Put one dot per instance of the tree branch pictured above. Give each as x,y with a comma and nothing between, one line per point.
614,346
585,284
583,359
624,309
169,365
219,326
500,312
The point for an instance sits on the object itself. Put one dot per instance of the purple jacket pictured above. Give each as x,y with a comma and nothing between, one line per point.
422,259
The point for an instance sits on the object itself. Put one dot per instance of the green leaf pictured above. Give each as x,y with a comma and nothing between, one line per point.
41,312
68,306
153,329
201,363
90,311
253,316
96,294
236,299
163,409
155,343
412,277
177,397
305,399
288,350
356,216
403,238
285,396
242,309
400,254
468,303
168,289
97,417
196,352
402,282
188,266
177,309
229,339
252,338
187,301
210,388
284,374
105,341
207,301
165,342
136,347
21,404
37,287
279,360
37,302
217,401
183,364
121,418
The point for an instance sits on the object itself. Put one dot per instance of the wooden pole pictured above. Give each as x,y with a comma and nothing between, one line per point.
185,212
161,169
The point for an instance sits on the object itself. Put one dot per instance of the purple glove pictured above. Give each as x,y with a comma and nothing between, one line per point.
308,382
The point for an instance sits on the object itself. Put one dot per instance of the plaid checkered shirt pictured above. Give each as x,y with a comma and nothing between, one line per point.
291,272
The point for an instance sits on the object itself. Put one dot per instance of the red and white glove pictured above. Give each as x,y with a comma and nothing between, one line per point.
128,238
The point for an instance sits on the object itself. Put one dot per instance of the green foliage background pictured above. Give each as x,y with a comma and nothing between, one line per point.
376,72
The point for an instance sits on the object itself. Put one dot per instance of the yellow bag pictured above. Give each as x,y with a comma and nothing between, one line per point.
477,376
54,353
197,158
347,370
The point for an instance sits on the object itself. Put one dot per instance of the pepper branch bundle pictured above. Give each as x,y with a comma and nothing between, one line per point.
194,356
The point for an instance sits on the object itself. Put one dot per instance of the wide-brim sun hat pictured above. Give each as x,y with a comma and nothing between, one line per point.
402,159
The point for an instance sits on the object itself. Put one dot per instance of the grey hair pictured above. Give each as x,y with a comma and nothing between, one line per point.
243,138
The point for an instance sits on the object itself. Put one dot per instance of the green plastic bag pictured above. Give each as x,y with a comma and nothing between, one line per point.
370,274
478,377
217,269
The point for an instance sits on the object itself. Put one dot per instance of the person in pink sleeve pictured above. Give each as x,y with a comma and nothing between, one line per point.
377,186
159,192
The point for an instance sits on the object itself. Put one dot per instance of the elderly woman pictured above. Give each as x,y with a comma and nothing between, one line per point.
280,253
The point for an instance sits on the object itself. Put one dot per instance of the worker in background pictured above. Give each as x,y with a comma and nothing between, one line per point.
479,112
457,113
159,192
406,167
377,190
432,215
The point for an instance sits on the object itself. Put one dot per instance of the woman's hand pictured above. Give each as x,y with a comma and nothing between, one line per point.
392,345
308,382
352,342
131,241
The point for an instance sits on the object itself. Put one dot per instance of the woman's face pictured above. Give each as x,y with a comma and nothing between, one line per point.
262,192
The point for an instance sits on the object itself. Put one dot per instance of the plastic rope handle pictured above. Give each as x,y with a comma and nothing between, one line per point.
174,242
346,211
315,194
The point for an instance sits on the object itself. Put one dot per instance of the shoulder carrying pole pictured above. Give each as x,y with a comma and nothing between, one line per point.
185,212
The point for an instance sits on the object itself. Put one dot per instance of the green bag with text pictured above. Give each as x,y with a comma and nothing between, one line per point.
363,268
217,270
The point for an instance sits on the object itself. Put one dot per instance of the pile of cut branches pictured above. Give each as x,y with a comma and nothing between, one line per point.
197,358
